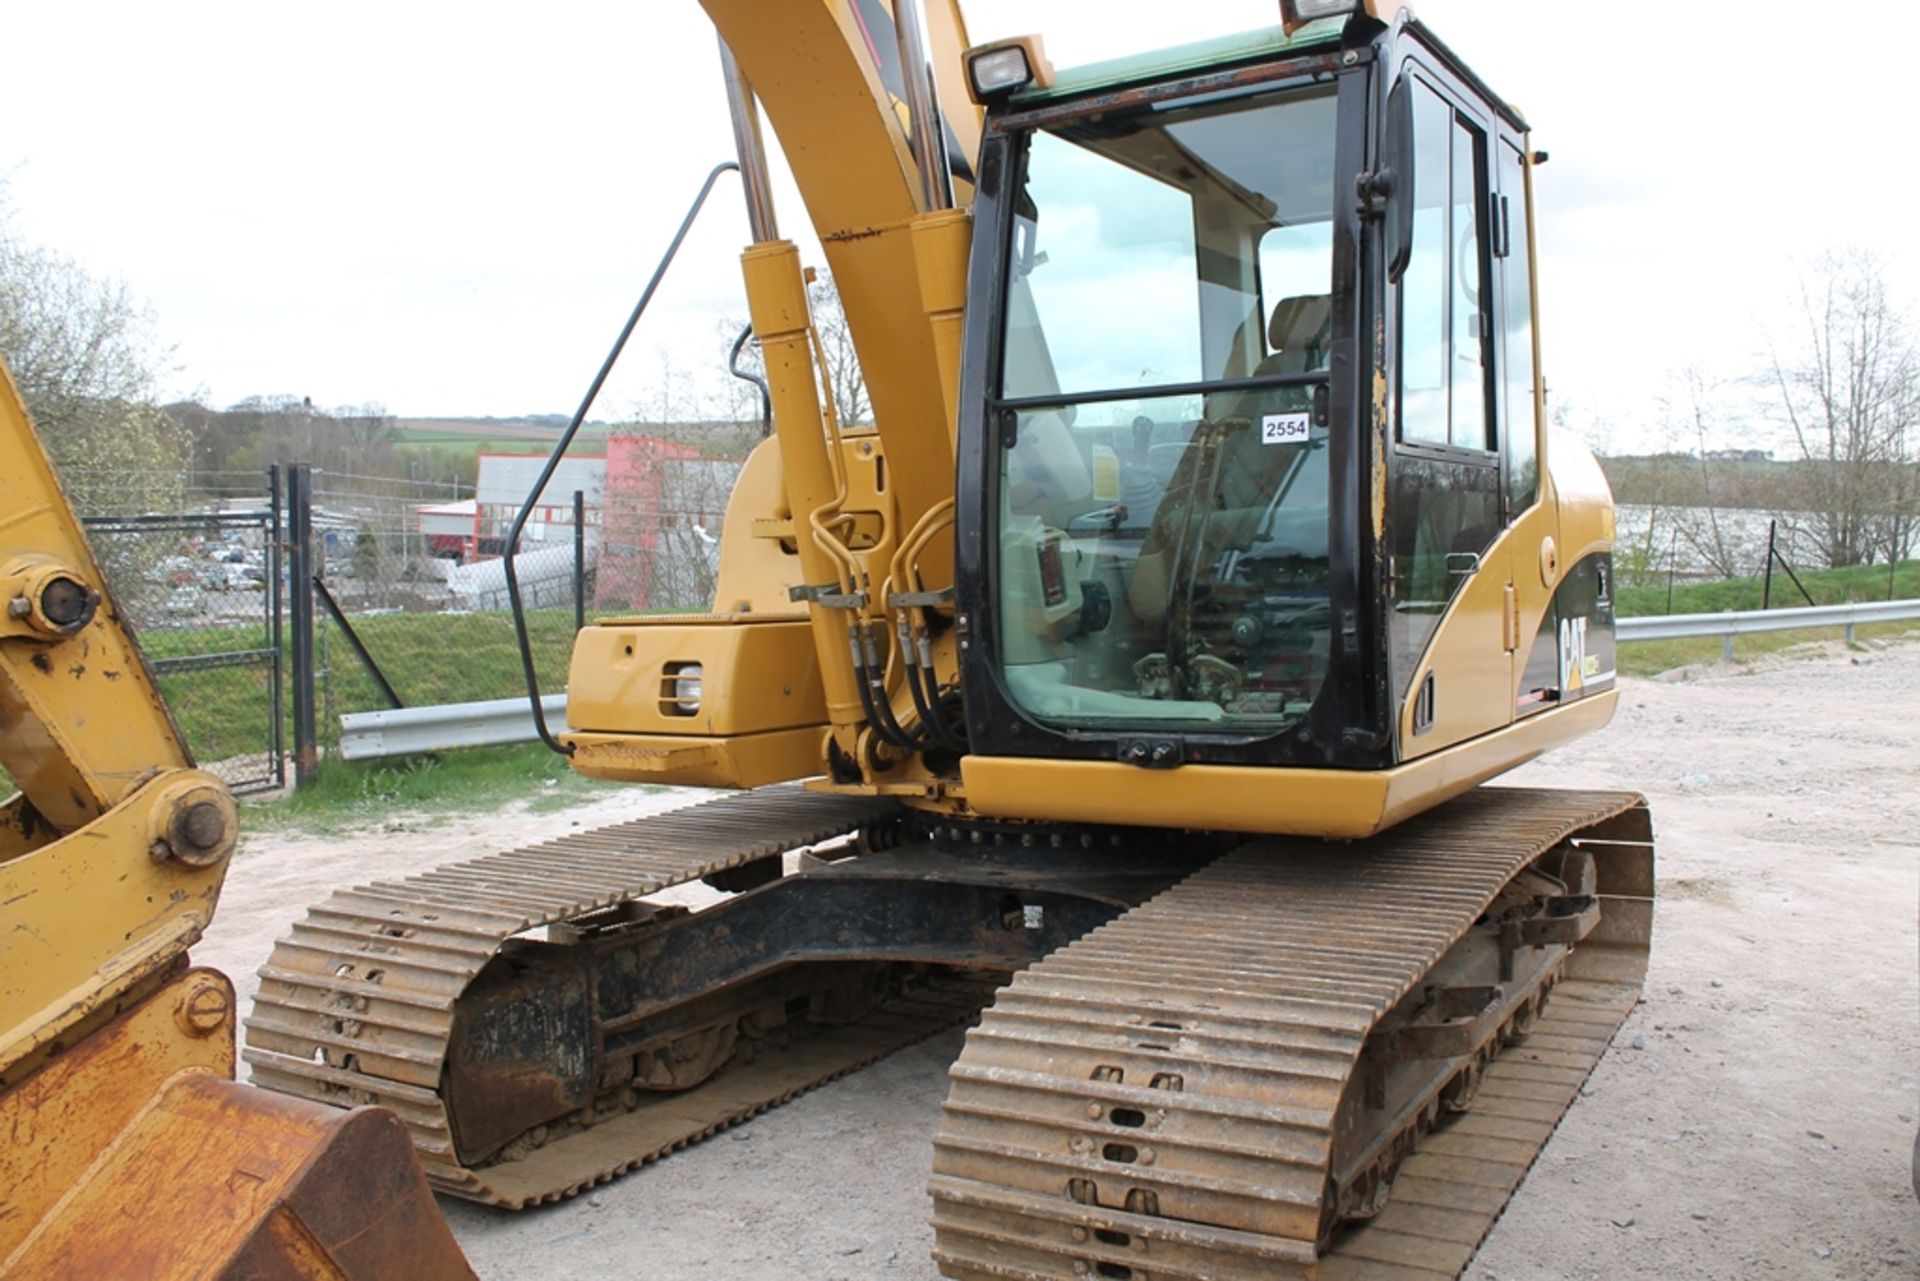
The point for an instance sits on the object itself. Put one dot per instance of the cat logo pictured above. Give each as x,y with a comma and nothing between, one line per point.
1573,655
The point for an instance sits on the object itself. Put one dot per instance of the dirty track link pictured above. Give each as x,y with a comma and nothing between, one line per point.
528,1068
1230,1080
361,1002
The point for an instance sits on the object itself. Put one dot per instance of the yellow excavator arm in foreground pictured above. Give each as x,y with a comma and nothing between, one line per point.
129,1149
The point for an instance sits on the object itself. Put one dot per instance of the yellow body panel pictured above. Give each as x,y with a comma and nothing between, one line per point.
1477,658
742,760
757,563
1343,804
755,676
1585,502
1473,688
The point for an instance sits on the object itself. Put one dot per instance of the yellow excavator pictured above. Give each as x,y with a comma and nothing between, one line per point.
129,1149
1204,555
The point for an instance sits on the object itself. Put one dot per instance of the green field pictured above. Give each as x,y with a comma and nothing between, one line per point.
590,439
348,793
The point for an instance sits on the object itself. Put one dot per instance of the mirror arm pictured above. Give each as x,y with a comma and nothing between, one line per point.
1374,189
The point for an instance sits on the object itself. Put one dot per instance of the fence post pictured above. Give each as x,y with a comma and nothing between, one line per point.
1766,591
1673,559
579,561
275,563
306,750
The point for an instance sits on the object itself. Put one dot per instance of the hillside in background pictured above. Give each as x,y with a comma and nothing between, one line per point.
1725,479
528,434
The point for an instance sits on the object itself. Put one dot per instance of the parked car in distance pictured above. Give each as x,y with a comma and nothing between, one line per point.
245,578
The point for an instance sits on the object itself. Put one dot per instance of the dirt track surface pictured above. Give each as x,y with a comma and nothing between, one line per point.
1754,1118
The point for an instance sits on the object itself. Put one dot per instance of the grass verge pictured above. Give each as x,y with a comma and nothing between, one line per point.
1863,583
1650,658
1826,586
429,658
354,793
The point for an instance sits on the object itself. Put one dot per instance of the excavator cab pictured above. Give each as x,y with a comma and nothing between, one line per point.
1251,438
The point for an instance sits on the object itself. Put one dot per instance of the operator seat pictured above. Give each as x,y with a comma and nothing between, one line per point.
1297,335
1297,340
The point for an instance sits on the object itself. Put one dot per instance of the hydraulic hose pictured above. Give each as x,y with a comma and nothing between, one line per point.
748,376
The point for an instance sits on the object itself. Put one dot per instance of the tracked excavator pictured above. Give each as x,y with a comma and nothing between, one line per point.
1204,555
126,1147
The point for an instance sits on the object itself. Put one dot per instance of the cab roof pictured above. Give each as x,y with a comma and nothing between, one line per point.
1221,52
1202,55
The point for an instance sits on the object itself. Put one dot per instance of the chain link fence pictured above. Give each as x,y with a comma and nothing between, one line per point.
411,598
410,606
202,593
407,616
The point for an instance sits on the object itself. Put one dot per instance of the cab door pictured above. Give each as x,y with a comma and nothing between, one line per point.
1450,569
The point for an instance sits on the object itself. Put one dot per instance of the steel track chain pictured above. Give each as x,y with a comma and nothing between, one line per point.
356,1003
1158,1099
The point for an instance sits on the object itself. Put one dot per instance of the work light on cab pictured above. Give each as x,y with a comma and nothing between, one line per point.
1295,14
1005,66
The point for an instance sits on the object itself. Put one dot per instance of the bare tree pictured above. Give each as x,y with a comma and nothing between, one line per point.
1701,523
694,498
241,440
740,400
366,430
1849,391
82,351
842,361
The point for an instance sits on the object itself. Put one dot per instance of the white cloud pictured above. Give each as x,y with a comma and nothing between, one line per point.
451,208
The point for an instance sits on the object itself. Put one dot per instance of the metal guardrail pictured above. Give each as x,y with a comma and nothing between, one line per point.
407,731
1729,624
411,730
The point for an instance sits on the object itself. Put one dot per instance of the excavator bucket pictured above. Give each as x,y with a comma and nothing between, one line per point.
115,1173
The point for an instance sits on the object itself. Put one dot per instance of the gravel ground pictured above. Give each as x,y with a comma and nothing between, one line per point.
1753,1119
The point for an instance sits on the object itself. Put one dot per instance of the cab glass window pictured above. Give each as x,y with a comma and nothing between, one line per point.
1162,515
1516,327
1443,348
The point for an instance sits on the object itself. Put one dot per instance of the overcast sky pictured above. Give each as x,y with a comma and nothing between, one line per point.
449,209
